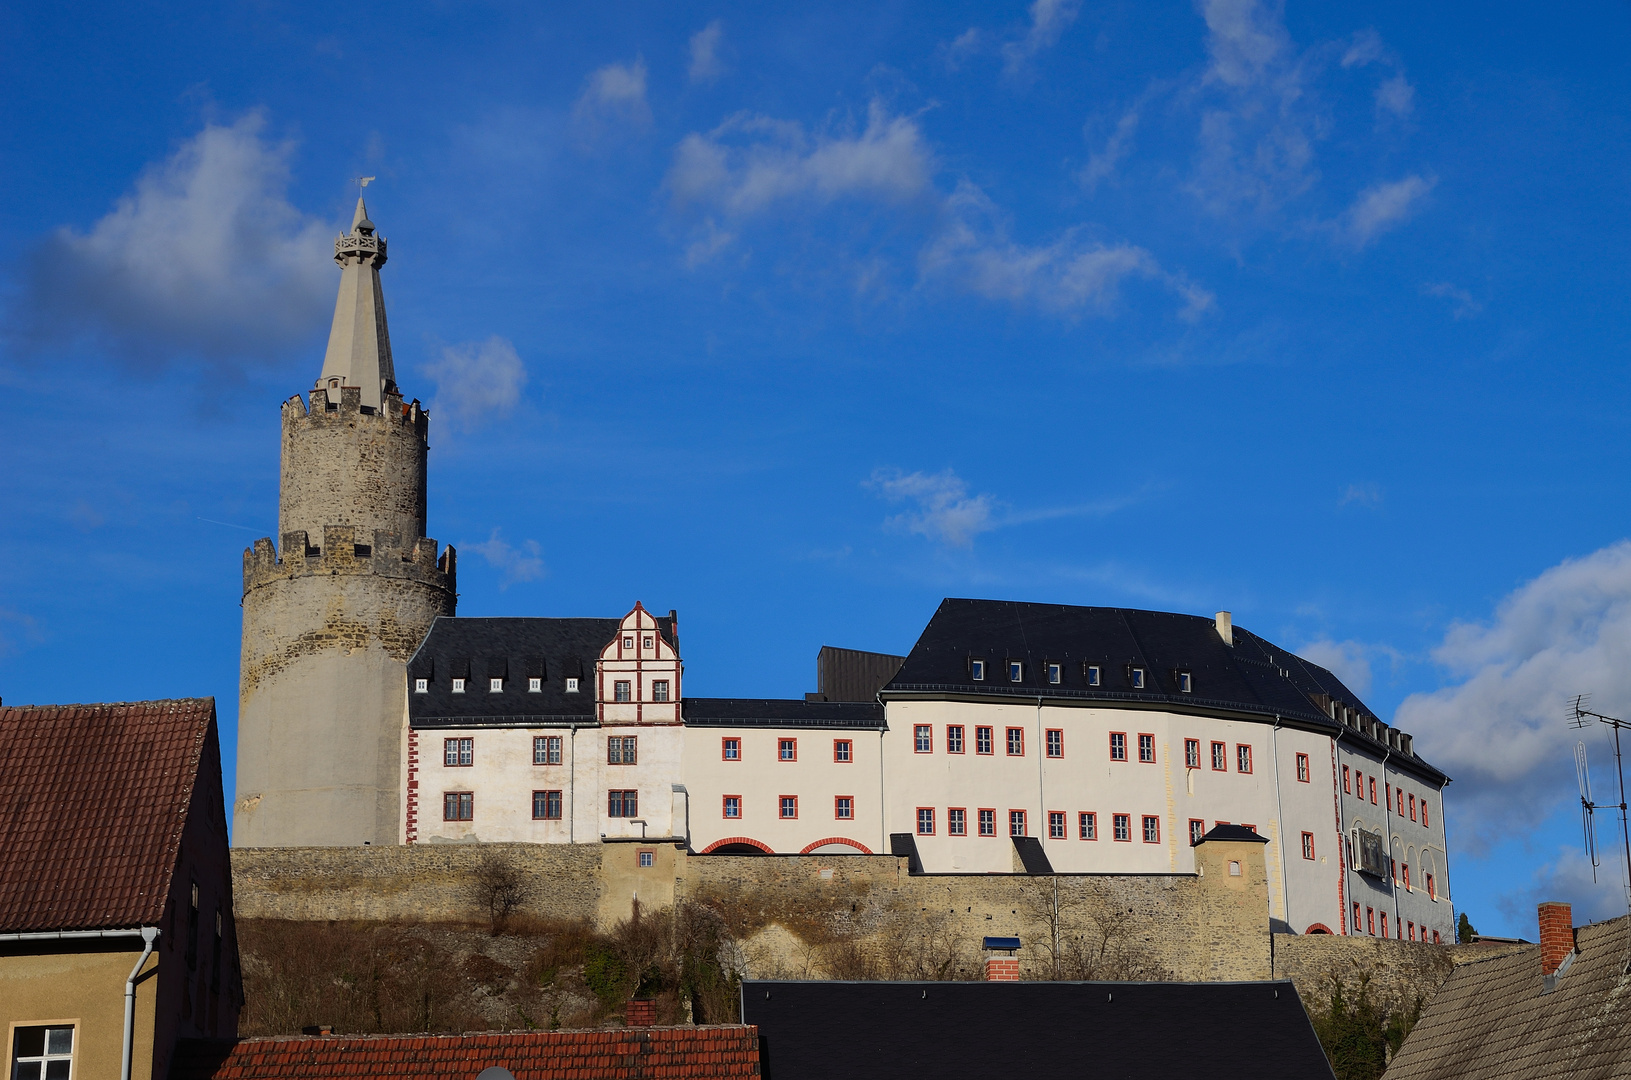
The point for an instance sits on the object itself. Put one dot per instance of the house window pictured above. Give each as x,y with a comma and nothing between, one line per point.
1384,924
1185,684
1308,846
1016,742
1056,824
1370,921
458,752
647,641
571,686
648,859
1357,927
1406,877
1412,808
925,821
546,750
1092,674
1346,789
622,804
954,738
730,749
495,686
787,749
546,806
1056,742
923,738
1373,791
458,806
620,691
1016,670
843,750
1220,757
1243,758
988,823
982,740
1302,767
1016,823
535,686
628,641
1424,813
1432,894
1412,931
458,686
1146,749
1121,828
622,750
1192,753
421,686
1152,829
1435,936
659,690
976,670
843,807
1118,746
1197,829
1136,677
43,1052
1399,799
1087,825
1055,674
733,806
789,806
957,821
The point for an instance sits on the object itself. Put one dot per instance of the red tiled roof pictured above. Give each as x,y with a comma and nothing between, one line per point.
93,799
675,1053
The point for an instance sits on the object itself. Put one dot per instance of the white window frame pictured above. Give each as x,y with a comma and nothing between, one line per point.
976,670
421,686
535,686
1016,671
622,690
1093,677
1138,678
47,1056
458,686
659,690
1056,674
571,686
495,686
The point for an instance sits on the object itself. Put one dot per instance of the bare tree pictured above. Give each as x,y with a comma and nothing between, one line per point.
500,887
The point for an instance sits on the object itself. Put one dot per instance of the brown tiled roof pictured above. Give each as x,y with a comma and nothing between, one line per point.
680,1053
92,803
1491,1020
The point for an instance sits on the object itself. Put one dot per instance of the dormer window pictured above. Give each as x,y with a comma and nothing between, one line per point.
495,686
1092,674
571,686
976,670
1016,670
1055,674
1185,684
421,686
1135,676
648,641
535,686
628,641
458,686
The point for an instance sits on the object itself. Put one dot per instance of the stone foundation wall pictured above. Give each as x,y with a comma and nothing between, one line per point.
1398,973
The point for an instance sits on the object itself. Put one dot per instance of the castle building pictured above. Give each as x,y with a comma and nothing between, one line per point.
332,613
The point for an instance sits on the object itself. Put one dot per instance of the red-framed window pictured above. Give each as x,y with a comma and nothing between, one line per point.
788,805
1412,808
1406,877
956,821
623,804
1121,828
730,749
787,749
1056,824
1197,829
1302,768
622,750
1220,757
925,821
982,740
923,738
1146,749
1346,789
843,807
988,821
1384,924
1016,823
732,807
1373,791
458,753
1370,921
1192,753
458,806
1435,937
1424,813
1016,742
1399,798
843,751
1118,746
1308,845
1431,894
1087,825
1056,742
1152,829
954,738
1412,931
546,750
1243,758
546,806
1357,926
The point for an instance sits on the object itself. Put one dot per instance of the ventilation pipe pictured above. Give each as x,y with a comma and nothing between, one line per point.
1226,627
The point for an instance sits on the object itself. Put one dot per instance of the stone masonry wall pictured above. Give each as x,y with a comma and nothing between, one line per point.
1399,973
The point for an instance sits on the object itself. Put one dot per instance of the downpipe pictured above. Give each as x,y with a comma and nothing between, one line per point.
149,935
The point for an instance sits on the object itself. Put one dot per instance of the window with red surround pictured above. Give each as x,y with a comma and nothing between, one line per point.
1412,808
1121,828
1016,823
843,750
1118,746
925,821
788,805
988,821
1308,845
1056,743
1243,758
1056,824
1197,829
1302,768
787,749
730,749
843,807
982,740
733,806
1347,790
1220,757
1192,753
458,753
458,806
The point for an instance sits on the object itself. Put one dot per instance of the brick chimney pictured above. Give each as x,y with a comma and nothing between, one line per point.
641,1012
1556,936
1002,959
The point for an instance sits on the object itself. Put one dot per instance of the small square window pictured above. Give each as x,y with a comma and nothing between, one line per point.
621,690
954,738
1122,827
457,753
843,807
988,823
647,641
789,805
1056,824
730,749
1056,674
1016,671
43,1052
659,690
535,686
458,686
1092,674
787,750
982,740
923,738
1146,749
925,821
546,806
976,670
957,821
571,686
458,806
1136,678
628,641
1016,823
1197,829
733,806
1185,684
421,686
1192,753
1152,829
1118,746
622,750
843,750
1056,743
648,859
1087,825
1302,769
1016,742
495,686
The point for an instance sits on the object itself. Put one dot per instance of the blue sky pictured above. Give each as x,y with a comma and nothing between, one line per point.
798,320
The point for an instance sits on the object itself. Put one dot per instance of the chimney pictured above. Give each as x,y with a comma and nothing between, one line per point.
642,1012
1226,627
317,1029
1556,936
1002,959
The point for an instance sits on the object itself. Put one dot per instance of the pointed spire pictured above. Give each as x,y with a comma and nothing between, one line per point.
359,342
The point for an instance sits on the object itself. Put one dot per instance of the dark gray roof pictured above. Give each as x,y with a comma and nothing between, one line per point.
1494,1019
781,713
1252,678
1038,1030
478,649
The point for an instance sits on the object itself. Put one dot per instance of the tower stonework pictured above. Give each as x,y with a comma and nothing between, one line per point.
332,615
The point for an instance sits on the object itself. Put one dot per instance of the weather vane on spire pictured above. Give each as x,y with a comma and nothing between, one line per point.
363,181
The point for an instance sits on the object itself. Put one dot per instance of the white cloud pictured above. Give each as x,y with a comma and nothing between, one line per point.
616,92
1049,20
706,65
1366,48
1396,96
962,47
1382,206
514,564
1103,163
1501,730
1569,878
1365,494
1246,41
1465,305
204,259
1347,660
476,382
945,513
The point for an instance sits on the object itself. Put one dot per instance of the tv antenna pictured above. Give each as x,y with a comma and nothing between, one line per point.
1581,716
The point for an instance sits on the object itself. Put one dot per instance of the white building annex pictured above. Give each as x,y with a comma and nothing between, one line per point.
1014,736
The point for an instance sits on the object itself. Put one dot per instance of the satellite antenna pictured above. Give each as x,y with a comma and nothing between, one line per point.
1581,716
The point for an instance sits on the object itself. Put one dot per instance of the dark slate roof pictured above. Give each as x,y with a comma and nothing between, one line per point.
781,713
1493,1019
517,649
93,800
1234,832
1252,678
1038,1030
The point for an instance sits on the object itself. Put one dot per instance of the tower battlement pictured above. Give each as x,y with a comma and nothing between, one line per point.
341,550
343,405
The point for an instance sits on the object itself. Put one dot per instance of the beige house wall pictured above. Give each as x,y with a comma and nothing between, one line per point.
85,989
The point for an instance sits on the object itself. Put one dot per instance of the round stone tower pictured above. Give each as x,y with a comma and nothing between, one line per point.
331,619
